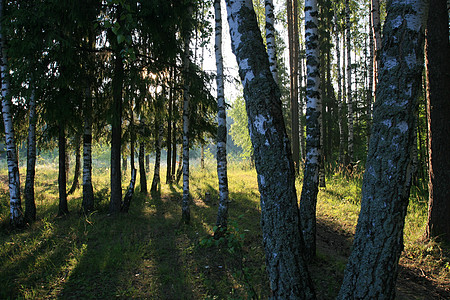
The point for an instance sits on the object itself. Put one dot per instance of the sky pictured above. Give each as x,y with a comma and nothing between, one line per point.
232,89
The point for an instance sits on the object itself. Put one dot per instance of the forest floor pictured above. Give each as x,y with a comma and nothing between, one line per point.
149,254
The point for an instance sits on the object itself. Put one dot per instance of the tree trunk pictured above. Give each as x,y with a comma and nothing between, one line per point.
373,264
349,84
185,210
116,136
174,152
62,180
76,175
16,218
129,194
270,39
313,111
438,111
30,205
142,175
202,157
282,238
292,12
169,131
88,192
147,163
156,174
339,95
222,213
376,37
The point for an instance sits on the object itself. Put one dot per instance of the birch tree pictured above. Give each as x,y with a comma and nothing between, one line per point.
270,38
373,264
376,37
185,209
313,111
17,217
222,214
292,16
282,238
349,82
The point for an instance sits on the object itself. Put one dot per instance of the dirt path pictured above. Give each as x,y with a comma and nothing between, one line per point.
411,283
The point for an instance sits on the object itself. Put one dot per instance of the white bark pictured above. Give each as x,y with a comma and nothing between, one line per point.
349,84
282,239
88,192
222,214
313,112
376,36
13,165
270,38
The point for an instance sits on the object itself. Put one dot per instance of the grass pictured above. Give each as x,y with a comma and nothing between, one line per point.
148,253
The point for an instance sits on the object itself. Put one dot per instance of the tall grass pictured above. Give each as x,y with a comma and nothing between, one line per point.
148,253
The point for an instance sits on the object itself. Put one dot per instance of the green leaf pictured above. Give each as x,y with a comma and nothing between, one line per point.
120,38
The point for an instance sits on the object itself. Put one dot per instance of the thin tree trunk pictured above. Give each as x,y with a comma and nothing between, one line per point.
373,264
313,111
169,131
174,154
282,238
349,84
180,165
185,210
156,174
30,205
292,12
370,82
142,175
270,39
376,37
16,218
147,163
438,112
62,180
88,191
129,194
339,94
202,156
116,136
76,175
222,213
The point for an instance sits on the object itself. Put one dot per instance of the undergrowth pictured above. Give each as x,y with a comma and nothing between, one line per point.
149,253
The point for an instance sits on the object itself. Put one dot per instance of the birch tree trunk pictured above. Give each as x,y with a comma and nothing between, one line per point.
17,218
349,83
339,92
222,213
438,109
30,205
169,130
77,165
270,39
376,37
282,238
88,192
142,168
185,210
373,264
292,16
313,111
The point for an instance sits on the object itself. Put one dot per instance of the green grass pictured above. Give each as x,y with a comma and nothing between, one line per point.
148,253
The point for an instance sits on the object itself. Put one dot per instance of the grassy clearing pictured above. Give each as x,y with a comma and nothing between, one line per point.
148,253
